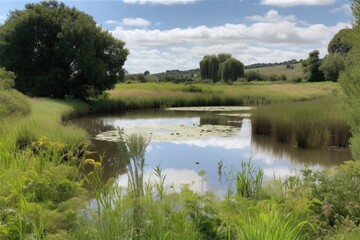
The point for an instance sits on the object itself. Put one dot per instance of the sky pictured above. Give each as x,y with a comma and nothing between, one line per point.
175,34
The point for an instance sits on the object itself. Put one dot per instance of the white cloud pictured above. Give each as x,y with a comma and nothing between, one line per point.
272,16
291,3
345,8
136,22
112,22
272,38
163,2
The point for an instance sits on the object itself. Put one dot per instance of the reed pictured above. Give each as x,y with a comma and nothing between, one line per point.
319,123
160,95
271,224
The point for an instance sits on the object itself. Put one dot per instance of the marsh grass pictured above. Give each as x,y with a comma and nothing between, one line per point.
45,120
319,123
161,95
271,224
249,180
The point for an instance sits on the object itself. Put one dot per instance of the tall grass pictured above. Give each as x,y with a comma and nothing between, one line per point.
160,95
319,123
271,224
45,120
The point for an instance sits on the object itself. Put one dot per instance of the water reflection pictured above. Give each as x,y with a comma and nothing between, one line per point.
175,180
182,160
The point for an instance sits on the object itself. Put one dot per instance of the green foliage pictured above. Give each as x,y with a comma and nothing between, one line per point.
209,68
271,224
332,65
349,81
13,103
56,61
339,194
311,66
249,181
222,67
7,79
231,69
340,42
253,75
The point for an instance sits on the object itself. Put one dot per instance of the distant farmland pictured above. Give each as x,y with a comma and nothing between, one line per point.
296,71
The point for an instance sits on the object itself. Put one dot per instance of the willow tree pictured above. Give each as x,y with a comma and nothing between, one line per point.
231,70
57,51
223,66
209,68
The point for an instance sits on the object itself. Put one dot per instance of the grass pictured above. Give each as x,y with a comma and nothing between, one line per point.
40,183
13,103
279,70
319,123
160,95
45,120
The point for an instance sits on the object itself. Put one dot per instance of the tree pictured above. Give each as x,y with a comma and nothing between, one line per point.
223,57
349,81
57,51
222,66
209,68
231,70
340,42
332,65
311,67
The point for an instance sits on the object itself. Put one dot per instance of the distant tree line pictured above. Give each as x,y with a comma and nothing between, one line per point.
288,64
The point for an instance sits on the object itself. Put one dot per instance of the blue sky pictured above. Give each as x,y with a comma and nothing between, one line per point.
175,34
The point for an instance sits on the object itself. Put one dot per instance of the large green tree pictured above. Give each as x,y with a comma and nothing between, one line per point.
332,65
209,68
340,43
350,81
311,66
57,51
231,70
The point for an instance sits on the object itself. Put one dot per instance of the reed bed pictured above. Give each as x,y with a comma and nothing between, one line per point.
161,95
319,123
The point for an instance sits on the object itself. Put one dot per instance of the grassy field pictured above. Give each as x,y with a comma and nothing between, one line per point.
279,70
159,95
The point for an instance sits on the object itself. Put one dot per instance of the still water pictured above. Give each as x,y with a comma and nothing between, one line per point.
184,143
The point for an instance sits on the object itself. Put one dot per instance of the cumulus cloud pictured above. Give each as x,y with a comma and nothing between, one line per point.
113,22
136,22
271,16
345,8
271,38
292,3
130,22
163,2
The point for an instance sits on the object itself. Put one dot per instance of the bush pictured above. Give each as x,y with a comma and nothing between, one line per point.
254,76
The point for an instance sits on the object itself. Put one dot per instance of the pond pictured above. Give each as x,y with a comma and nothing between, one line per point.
184,142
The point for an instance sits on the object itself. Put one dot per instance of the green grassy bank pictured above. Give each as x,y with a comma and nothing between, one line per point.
41,190
159,95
